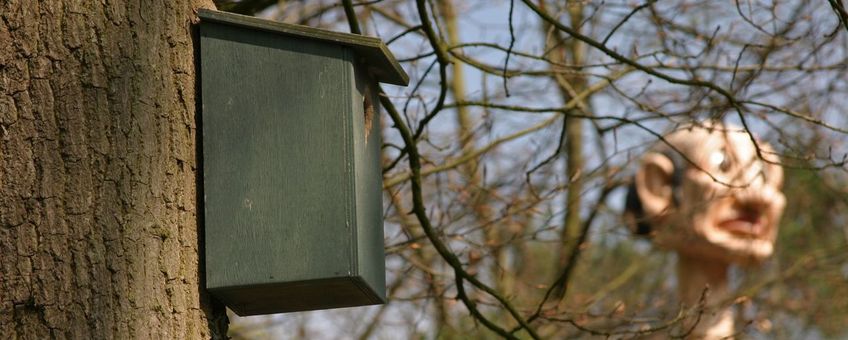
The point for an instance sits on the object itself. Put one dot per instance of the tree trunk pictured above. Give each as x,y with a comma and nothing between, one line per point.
98,172
571,83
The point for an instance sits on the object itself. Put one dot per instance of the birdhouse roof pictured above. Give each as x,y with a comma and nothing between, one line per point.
378,60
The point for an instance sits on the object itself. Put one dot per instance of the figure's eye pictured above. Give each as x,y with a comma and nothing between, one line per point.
760,169
719,160
763,170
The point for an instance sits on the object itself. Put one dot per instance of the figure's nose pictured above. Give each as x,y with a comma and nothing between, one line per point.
757,198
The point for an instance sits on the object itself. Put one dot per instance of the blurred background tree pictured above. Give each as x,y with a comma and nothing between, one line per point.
506,159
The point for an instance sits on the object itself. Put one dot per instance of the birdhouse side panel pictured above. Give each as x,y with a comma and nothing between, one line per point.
369,186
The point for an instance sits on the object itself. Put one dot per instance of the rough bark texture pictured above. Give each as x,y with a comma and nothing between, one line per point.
98,197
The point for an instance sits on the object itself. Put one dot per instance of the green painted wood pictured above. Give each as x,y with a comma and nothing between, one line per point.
377,58
368,186
292,186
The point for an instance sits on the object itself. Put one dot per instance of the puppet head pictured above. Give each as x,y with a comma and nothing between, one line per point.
705,193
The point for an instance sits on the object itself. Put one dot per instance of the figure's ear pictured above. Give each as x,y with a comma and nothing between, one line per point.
653,184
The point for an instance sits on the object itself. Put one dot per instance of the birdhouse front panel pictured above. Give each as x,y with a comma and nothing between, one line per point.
292,182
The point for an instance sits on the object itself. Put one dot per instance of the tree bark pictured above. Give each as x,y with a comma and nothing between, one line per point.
99,231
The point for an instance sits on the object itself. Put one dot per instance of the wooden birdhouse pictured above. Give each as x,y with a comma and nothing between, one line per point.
292,182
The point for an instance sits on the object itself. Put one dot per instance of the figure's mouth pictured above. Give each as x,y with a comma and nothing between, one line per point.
747,225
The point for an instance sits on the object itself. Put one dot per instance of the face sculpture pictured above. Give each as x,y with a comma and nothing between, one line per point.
724,207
